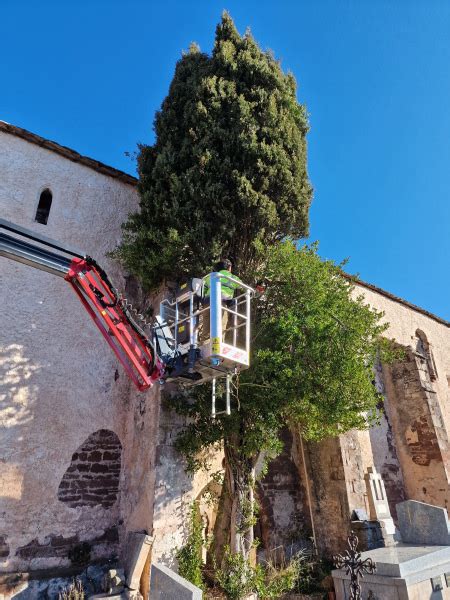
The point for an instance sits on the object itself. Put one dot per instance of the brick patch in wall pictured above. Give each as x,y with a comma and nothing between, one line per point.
93,476
57,546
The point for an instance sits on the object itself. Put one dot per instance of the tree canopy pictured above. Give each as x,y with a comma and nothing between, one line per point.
227,173
314,346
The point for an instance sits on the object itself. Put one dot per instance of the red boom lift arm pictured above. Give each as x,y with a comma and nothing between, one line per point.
133,348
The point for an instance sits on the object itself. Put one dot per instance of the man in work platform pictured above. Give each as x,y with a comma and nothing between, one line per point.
228,288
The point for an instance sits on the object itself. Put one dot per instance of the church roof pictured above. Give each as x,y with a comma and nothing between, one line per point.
397,299
67,153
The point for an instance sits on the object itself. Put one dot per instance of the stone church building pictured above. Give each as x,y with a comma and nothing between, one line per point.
85,459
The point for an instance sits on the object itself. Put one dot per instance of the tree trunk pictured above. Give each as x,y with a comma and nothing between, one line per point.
240,478
221,537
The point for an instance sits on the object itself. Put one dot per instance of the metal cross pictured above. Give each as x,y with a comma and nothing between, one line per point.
353,565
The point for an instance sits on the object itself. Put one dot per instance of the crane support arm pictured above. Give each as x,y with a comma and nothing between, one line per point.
131,345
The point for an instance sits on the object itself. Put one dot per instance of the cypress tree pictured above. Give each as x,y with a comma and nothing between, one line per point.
227,173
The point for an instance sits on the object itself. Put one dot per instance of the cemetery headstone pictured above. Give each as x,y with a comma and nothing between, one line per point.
422,523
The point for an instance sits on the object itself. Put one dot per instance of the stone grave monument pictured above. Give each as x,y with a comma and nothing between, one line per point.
376,528
417,568
422,523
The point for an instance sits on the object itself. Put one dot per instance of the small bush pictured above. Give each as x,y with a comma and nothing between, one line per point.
190,555
273,582
237,577
311,570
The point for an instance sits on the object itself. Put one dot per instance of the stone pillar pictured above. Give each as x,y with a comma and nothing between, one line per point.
336,468
378,504
384,448
419,429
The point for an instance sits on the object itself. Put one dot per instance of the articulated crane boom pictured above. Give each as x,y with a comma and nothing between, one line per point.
174,349
97,294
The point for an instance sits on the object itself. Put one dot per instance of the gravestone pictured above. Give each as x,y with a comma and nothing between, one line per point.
165,584
422,523
417,568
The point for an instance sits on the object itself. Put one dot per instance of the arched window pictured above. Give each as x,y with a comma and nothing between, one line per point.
423,347
43,209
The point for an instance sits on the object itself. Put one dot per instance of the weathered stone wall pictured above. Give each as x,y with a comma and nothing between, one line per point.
94,473
410,446
283,517
336,468
175,490
420,433
72,430
384,448
137,482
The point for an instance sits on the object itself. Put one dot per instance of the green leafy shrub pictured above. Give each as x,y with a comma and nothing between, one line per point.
311,571
190,555
271,583
237,577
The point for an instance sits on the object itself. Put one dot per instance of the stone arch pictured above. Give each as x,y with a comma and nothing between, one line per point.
44,206
93,476
423,347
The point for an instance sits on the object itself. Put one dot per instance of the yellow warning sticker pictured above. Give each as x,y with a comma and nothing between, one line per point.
181,328
215,345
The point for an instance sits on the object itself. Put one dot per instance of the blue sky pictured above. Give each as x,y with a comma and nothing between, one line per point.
374,75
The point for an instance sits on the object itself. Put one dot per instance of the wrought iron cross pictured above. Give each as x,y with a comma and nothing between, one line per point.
353,565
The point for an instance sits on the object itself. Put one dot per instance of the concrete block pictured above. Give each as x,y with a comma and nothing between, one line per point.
165,584
421,523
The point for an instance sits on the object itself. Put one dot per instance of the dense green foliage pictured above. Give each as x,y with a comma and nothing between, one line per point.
189,557
270,581
314,347
227,173
236,576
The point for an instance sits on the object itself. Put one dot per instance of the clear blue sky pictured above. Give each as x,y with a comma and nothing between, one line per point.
375,76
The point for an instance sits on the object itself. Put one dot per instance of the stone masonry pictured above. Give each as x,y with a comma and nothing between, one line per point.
283,516
93,476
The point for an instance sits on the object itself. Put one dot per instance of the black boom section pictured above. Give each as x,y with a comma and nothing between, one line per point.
36,237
